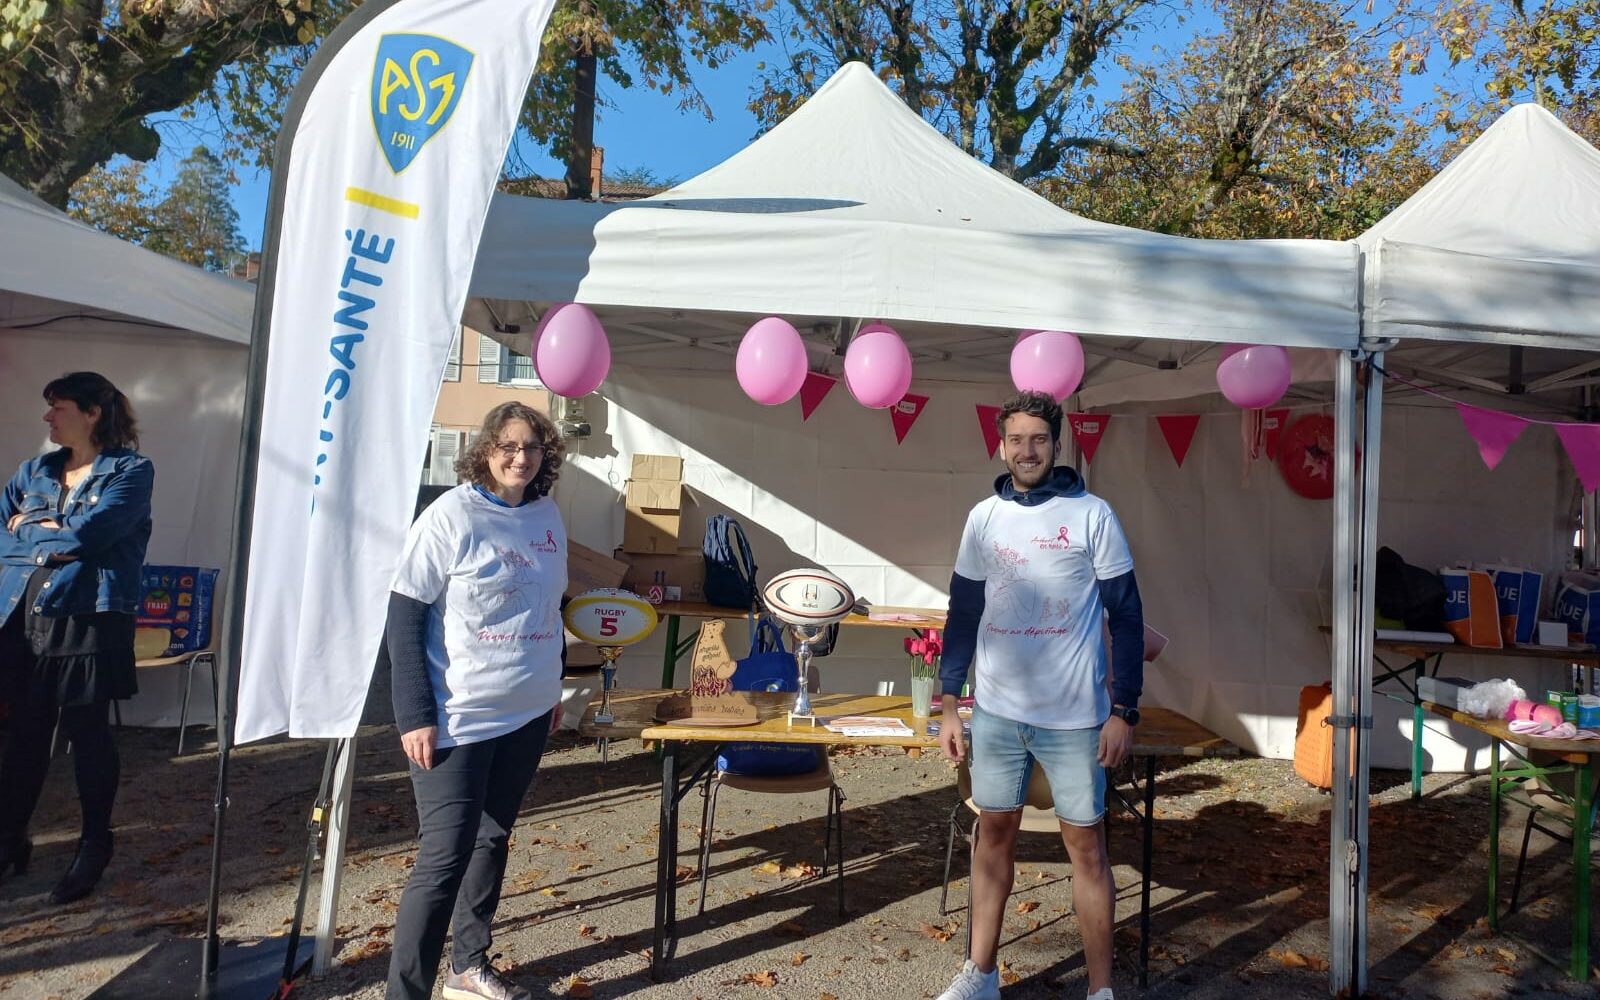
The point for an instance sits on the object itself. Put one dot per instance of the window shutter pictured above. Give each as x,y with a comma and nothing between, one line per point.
488,359
442,457
452,369
516,367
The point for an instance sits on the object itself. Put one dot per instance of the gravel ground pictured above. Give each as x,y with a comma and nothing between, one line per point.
1239,908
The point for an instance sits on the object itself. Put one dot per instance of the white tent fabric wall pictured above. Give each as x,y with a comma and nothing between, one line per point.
1238,573
170,336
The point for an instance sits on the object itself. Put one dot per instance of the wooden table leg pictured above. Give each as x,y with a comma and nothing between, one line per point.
1494,836
669,656
1582,803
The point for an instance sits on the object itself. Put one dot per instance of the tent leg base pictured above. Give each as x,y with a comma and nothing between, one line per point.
246,970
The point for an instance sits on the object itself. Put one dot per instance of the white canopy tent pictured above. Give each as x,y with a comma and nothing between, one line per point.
856,207
1501,247
1500,252
172,337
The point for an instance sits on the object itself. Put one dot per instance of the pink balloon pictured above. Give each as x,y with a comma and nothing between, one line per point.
1254,375
771,363
877,367
1047,361
571,352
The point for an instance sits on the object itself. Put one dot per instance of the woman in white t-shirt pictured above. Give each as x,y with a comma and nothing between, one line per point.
475,639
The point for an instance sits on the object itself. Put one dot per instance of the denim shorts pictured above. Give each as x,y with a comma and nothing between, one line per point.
1003,754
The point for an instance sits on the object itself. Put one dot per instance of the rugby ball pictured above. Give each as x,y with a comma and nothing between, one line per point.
808,597
610,617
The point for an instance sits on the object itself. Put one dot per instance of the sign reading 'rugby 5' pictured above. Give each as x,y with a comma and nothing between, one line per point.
808,597
610,617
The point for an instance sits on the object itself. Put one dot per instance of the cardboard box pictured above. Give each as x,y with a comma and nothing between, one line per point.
681,575
591,570
654,508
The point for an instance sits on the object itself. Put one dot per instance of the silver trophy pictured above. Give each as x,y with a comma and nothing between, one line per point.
807,601
804,636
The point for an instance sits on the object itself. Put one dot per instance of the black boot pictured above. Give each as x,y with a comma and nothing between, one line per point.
14,854
84,872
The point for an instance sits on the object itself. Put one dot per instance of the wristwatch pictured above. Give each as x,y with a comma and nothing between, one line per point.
1128,715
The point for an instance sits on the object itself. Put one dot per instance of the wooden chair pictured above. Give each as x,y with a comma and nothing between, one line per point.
1038,816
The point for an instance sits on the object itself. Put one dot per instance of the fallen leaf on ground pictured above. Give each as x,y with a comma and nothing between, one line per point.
1289,959
936,933
1027,906
766,978
584,930
769,868
799,958
579,987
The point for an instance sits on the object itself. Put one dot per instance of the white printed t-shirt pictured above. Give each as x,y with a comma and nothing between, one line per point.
1041,655
494,577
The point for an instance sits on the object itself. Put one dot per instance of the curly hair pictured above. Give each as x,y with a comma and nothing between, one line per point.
116,427
1034,404
473,464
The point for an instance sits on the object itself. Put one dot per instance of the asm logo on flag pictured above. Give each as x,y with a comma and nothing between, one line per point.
416,85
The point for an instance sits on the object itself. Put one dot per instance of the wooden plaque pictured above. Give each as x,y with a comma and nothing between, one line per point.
711,700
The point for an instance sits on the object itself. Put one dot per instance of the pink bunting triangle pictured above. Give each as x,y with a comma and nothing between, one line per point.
905,413
991,430
1179,430
812,392
1494,431
1582,442
1088,428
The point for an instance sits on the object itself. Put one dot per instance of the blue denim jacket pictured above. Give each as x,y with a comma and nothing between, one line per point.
105,527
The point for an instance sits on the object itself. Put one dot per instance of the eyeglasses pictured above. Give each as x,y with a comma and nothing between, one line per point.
509,451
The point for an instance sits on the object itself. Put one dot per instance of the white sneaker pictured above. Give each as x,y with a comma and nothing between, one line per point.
973,984
1103,993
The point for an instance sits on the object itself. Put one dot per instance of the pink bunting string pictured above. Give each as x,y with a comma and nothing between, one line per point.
1494,430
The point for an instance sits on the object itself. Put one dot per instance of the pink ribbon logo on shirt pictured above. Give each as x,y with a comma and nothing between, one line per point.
1061,535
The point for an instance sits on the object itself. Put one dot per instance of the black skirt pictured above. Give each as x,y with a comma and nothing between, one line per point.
85,658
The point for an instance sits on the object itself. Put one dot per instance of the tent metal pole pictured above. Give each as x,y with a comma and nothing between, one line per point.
337,825
1341,951
1366,569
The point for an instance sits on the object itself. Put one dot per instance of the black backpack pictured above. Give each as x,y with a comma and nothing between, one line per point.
730,568
1408,593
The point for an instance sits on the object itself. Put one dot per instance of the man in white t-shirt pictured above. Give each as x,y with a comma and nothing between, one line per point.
1040,564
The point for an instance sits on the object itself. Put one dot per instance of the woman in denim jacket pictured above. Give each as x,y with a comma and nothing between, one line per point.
76,523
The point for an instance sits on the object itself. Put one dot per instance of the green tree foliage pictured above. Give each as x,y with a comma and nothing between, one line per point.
81,79
1284,121
116,200
196,221
1007,82
1511,51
